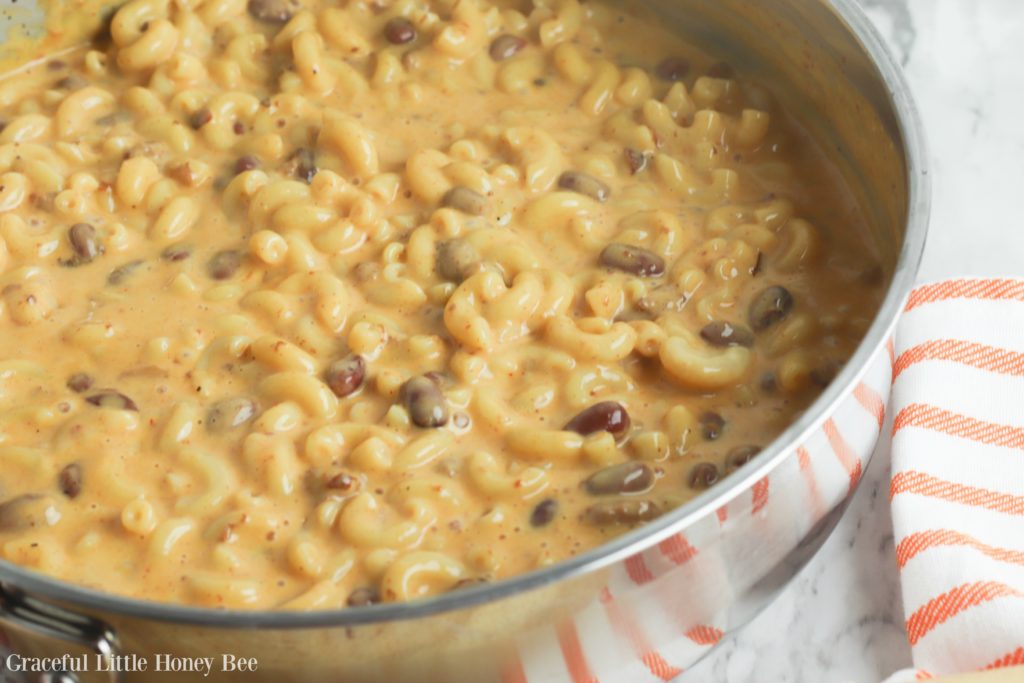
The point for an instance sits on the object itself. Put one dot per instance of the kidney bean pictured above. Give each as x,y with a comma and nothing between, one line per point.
399,31
346,375
363,596
722,334
424,401
544,512
721,70
80,382
823,375
176,252
455,259
200,118
114,119
305,164
506,45
24,512
342,481
121,273
672,69
608,416
84,242
224,264
469,582
624,477
71,82
585,184
230,413
109,398
703,475
711,425
466,200
70,480
740,456
632,259
621,512
636,160
246,163
272,11
769,307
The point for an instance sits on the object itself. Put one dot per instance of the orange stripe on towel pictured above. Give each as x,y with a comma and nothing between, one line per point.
966,289
807,469
918,542
1015,658
704,634
941,420
992,358
923,484
637,569
871,401
847,458
572,653
938,610
677,549
625,625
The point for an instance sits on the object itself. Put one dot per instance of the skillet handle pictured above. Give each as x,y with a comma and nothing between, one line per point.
25,614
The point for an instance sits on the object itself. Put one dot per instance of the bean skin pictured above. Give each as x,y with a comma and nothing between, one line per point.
711,425
363,596
672,69
272,11
399,31
109,398
723,334
80,382
740,456
632,259
636,160
176,252
200,118
70,480
224,264
455,259
343,481
703,475
121,273
544,512
246,163
229,413
71,82
23,512
465,200
608,416
585,184
721,70
84,243
345,376
621,512
305,164
506,45
425,402
823,375
769,307
624,477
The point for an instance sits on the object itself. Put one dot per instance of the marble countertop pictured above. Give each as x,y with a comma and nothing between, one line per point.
841,620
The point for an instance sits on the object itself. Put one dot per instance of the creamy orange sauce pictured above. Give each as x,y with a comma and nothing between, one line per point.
298,301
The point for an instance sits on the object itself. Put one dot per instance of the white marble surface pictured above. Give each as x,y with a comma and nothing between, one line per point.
841,620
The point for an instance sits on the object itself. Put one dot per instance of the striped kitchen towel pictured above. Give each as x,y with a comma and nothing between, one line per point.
957,486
